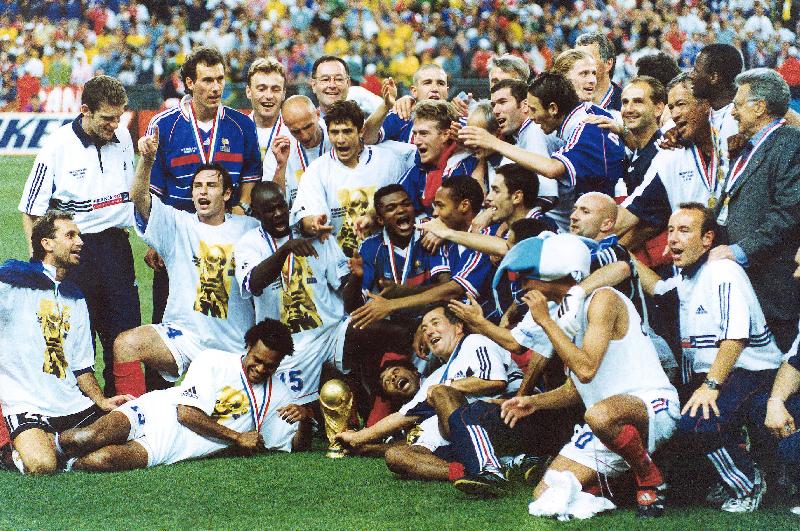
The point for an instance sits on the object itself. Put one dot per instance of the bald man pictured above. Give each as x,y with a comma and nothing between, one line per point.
308,139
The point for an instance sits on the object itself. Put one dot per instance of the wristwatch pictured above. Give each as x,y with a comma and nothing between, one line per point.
246,207
712,384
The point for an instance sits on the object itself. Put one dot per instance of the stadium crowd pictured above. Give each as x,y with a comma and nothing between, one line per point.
573,282
144,42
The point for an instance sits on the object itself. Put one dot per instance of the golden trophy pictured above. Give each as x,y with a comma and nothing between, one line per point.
336,403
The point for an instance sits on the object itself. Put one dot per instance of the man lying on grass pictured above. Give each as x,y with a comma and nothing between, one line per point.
227,400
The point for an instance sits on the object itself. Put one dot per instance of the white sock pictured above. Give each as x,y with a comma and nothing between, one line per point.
70,462
59,450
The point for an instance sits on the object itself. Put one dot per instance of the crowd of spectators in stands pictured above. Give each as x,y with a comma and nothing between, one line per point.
144,42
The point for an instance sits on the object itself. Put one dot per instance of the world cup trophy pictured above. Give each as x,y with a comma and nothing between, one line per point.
336,403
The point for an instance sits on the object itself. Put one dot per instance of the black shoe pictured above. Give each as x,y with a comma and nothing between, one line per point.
483,485
650,501
528,468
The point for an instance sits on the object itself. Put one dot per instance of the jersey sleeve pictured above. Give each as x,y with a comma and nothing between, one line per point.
252,169
248,253
649,201
159,172
441,262
473,273
392,127
81,351
38,188
369,256
410,181
160,230
731,311
583,155
310,199
278,433
198,388
484,359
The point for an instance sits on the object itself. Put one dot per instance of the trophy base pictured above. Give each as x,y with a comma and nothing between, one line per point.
335,453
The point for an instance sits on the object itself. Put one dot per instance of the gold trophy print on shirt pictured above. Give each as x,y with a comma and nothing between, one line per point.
298,310
230,403
54,321
356,203
216,268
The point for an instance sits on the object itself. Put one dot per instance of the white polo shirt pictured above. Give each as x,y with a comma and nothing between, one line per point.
717,302
72,173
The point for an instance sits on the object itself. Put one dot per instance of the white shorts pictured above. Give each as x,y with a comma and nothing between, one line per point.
428,434
182,344
663,411
154,425
301,371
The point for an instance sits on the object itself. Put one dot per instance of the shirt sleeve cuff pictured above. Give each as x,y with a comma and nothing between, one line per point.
739,256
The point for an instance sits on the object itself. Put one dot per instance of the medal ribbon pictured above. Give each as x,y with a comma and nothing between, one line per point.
453,356
708,173
392,262
258,414
276,129
273,246
741,163
205,158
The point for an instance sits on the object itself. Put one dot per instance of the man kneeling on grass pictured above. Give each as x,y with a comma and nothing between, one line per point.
226,400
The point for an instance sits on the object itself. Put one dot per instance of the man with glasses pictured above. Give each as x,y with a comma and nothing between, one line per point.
330,82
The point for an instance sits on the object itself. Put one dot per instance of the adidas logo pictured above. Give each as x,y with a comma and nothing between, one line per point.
700,310
190,393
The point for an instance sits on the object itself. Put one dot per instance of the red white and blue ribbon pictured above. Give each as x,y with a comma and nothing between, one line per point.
205,157
392,262
257,413
741,163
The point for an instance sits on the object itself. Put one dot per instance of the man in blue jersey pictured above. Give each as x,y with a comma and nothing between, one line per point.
199,131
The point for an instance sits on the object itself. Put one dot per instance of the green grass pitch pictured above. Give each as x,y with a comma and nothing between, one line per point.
275,491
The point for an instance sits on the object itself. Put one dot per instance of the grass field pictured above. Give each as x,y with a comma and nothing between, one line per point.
278,491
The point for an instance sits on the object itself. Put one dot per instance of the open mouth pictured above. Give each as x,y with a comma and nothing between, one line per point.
203,201
342,151
502,122
404,224
434,340
403,384
675,253
268,105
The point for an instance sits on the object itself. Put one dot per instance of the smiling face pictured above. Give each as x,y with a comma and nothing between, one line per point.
207,86
689,114
448,210
509,112
330,83
63,250
399,383
583,76
346,140
500,200
261,362
430,140
270,208
396,213
546,117
441,335
266,92
209,195
747,112
639,112
685,238
102,123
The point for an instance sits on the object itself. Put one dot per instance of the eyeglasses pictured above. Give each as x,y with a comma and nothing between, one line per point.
337,80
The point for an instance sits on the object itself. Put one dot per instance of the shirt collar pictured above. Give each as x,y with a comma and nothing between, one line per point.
690,271
761,132
85,138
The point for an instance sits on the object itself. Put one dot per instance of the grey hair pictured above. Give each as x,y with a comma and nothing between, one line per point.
512,65
484,108
682,78
606,47
768,85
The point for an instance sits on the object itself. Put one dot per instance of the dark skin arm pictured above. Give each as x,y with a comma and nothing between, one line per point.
247,443
268,270
351,293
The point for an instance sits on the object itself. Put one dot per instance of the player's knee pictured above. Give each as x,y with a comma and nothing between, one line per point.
599,417
98,461
441,394
127,346
397,459
39,464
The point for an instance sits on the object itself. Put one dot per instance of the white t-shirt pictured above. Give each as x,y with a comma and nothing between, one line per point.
44,341
252,249
530,137
215,384
717,302
204,296
630,365
345,194
266,137
476,356
299,159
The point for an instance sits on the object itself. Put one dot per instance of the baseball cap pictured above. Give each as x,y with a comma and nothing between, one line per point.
546,257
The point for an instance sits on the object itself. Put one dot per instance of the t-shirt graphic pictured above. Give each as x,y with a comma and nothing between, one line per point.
298,310
216,266
54,321
356,203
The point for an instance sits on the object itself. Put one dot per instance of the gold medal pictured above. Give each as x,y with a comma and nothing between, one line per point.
712,202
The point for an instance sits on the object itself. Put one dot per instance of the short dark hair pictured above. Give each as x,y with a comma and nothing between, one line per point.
604,44
45,227
682,78
345,111
465,187
383,191
453,318
528,228
519,90
659,65
709,219
658,93
551,87
327,59
517,177
227,181
206,55
274,334
102,90
724,60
